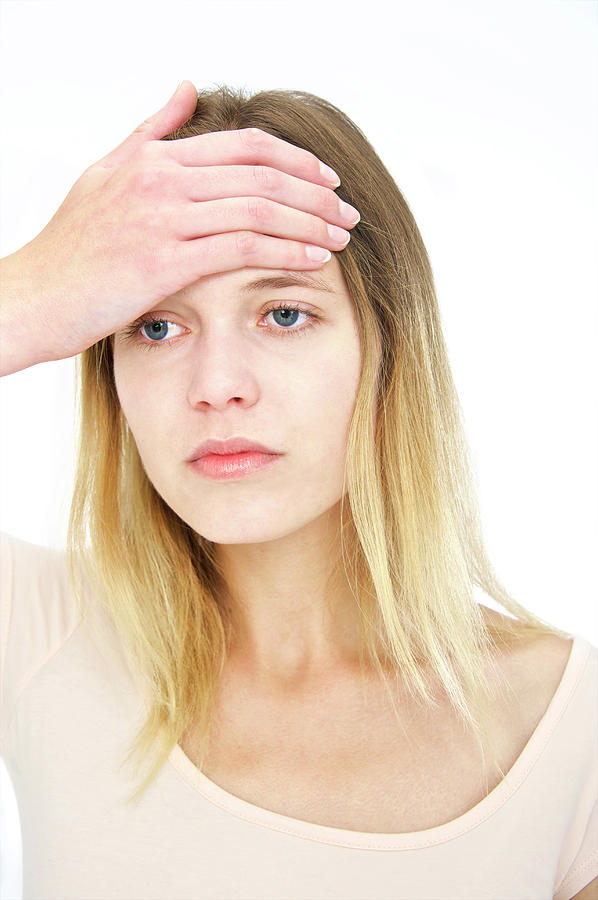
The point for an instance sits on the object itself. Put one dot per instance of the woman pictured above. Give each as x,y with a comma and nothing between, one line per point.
284,636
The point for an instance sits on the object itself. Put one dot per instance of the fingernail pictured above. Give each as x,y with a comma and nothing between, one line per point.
317,254
348,212
330,175
338,234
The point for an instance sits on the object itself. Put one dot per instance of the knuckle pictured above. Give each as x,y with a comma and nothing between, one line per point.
247,243
295,256
267,179
328,200
254,138
143,127
147,150
146,179
311,161
257,209
316,230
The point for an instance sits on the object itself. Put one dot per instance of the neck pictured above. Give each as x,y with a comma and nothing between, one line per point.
291,610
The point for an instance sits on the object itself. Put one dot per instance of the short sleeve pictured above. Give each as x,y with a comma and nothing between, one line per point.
37,614
579,860
584,867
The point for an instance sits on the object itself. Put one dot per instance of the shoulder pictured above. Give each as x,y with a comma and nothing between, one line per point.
531,670
37,614
22,561
536,655
17,552
36,597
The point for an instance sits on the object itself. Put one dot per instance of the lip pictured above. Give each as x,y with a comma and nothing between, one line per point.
232,445
231,459
229,466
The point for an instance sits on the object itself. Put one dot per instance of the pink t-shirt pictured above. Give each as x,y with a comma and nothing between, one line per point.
70,708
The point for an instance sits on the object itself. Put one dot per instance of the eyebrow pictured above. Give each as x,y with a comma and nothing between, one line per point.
290,279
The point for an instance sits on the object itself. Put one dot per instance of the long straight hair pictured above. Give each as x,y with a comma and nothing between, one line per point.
412,546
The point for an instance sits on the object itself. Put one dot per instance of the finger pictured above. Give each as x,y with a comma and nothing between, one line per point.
250,146
259,215
175,113
202,183
241,249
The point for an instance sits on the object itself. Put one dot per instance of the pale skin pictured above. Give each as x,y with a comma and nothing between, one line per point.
179,229
176,227
152,217
223,365
222,368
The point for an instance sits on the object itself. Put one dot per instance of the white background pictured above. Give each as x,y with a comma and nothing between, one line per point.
486,115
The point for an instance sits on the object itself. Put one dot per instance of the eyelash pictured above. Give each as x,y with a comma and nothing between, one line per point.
133,332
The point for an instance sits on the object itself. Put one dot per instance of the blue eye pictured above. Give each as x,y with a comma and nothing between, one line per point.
151,331
288,315
157,329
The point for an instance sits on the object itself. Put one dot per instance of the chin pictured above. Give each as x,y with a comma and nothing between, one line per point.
257,519
242,534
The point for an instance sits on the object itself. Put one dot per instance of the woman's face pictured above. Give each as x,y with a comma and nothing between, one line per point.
226,364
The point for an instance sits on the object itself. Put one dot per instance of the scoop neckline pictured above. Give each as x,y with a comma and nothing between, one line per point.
365,840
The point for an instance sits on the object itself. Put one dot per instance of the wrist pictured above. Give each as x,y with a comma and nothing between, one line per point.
22,339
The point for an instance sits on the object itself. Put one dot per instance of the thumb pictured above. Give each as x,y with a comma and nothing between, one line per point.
175,113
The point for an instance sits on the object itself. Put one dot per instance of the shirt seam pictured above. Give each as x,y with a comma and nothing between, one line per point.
29,678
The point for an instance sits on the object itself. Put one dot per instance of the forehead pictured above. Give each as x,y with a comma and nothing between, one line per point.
326,281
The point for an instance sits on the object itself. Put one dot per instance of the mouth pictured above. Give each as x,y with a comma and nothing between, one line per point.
231,459
230,447
232,466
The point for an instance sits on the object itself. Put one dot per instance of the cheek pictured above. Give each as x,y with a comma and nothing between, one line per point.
129,390
305,405
145,402
332,399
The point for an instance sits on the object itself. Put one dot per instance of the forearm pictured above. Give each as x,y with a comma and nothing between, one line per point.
24,339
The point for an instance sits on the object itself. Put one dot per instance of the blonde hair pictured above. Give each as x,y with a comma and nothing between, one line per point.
412,546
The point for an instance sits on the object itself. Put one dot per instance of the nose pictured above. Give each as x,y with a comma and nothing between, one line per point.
222,375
